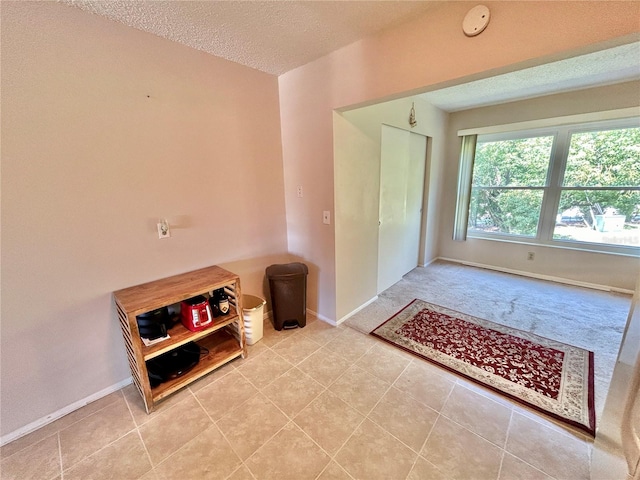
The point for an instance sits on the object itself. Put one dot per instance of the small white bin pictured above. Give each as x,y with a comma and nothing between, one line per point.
252,308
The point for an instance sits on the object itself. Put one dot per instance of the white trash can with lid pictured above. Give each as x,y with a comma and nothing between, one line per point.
252,313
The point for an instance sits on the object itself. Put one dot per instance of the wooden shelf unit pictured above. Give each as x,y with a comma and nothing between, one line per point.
225,339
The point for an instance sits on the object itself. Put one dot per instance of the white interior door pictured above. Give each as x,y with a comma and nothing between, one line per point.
402,169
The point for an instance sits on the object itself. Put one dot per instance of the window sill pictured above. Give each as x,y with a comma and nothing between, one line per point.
618,250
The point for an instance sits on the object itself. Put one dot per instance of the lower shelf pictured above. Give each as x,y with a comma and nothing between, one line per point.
223,347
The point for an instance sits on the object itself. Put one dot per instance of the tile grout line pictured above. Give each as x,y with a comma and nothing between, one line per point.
237,469
489,395
316,443
504,452
552,424
144,445
57,431
219,430
327,466
60,455
424,443
506,438
291,421
134,429
135,426
273,380
327,390
304,359
310,377
365,416
426,440
324,389
452,420
305,337
507,452
133,417
532,466
260,392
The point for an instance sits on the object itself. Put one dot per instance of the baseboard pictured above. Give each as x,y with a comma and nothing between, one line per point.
353,312
41,422
322,317
429,262
336,323
566,281
33,426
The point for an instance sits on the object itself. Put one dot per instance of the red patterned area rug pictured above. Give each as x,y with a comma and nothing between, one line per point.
550,376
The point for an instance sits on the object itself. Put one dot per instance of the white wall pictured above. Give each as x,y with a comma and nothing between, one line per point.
628,377
428,52
357,186
105,130
616,450
592,268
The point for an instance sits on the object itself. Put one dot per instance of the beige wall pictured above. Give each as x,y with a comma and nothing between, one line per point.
357,136
430,51
105,130
592,268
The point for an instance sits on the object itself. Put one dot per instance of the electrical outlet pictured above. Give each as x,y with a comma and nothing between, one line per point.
530,255
326,217
163,230
299,191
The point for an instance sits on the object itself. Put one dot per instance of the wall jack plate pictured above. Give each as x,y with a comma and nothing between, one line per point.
163,230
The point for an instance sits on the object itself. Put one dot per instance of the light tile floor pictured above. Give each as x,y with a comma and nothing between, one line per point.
313,403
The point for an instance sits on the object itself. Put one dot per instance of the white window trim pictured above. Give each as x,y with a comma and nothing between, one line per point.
592,117
562,130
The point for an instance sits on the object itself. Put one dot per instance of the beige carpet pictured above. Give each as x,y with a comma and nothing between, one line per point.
583,317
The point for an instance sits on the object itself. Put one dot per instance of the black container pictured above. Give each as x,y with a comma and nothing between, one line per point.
219,303
288,287
154,324
173,364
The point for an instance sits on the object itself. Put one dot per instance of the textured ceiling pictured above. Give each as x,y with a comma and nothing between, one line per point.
276,36
609,66
272,36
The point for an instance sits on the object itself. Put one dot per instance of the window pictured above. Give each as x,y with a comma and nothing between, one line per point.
575,186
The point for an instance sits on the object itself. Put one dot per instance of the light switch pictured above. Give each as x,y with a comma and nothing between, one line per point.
326,217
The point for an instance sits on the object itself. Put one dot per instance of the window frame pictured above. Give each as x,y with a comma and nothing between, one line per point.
553,188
